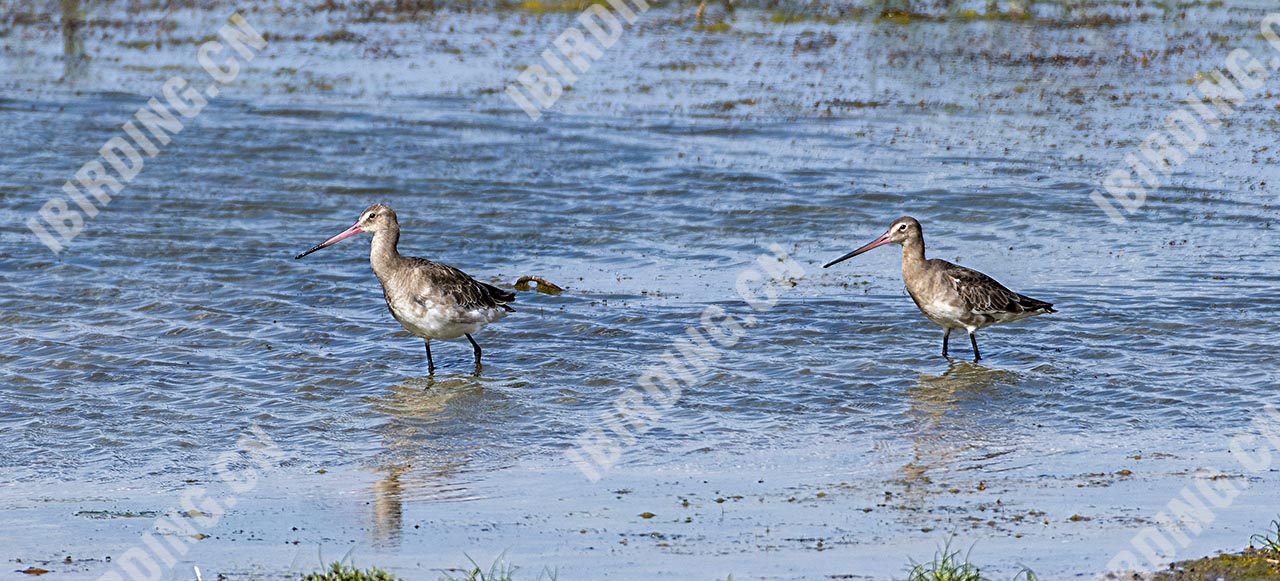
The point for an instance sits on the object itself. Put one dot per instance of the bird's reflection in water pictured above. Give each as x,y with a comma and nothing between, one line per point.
422,459
947,426
388,510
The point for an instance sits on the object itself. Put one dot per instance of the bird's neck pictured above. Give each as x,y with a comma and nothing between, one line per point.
912,256
382,253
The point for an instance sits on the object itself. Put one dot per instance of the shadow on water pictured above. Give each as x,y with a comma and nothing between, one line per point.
941,406
427,452
75,60
388,506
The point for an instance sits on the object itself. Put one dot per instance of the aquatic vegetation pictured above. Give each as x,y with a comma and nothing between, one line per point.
788,17
717,27
1247,564
539,284
500,570
339,35
340,572
553,6
731,105
898,16
947,565
1261,562
1269,541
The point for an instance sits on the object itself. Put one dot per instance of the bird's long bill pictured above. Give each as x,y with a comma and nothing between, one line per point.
349,232
878,242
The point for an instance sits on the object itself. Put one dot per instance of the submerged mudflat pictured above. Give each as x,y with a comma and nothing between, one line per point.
830,441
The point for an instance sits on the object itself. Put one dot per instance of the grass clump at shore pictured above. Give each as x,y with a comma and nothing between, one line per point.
1260,562
1268,541
949,565
1246,565
340,572
500,570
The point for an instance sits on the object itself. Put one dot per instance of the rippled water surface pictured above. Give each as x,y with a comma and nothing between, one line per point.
833,439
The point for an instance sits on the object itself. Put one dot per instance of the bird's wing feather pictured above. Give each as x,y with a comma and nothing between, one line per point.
986,296
466,292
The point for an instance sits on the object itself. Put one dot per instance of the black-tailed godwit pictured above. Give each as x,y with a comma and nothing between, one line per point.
952,296
429,299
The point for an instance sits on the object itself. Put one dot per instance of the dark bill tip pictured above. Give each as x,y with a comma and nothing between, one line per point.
878,242
349,232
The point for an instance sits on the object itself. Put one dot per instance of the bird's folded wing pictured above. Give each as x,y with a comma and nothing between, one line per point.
982,293
464,291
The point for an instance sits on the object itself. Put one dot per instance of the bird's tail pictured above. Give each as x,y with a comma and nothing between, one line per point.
1034,305
501,297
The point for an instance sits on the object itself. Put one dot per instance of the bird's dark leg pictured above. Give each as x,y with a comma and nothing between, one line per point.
973,338
431,365
475,346
945,336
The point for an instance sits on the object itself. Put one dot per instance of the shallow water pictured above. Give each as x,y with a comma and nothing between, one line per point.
178,319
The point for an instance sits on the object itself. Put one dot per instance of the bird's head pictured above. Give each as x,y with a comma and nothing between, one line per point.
377,218
902,229
374,219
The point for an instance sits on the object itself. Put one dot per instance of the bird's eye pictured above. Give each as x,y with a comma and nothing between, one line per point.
372,216
902,228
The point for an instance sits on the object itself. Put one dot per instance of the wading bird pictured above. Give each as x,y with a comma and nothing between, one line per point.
952,296
429,299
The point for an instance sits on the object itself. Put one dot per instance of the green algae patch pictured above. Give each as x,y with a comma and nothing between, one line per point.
340,572
553,6
897,16
1250,564
538,284
717,27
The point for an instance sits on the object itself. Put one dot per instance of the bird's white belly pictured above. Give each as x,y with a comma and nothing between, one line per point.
431,320
948,315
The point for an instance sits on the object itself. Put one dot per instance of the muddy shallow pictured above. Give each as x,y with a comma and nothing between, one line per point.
831,441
